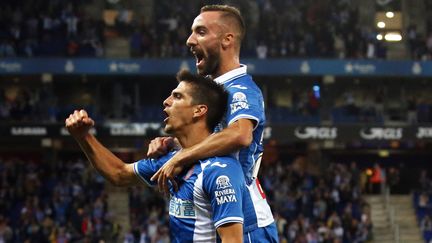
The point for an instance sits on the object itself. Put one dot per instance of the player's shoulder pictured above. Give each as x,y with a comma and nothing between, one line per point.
243,85
222,168
164,158
221,162
244,82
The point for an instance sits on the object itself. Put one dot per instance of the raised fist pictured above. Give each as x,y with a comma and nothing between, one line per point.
79,123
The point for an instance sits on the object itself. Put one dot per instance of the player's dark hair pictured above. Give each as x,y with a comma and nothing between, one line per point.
207,92
231,13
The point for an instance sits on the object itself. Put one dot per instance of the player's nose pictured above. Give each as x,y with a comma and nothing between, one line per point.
167,101
191,41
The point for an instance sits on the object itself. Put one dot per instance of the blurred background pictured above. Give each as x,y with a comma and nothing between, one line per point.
347,84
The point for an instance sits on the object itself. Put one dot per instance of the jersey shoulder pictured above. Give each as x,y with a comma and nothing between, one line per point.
216,166
242,83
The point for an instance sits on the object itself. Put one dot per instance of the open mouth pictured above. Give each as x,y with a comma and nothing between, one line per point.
199,57
167,116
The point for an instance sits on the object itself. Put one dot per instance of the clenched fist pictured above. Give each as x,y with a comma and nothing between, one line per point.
79,123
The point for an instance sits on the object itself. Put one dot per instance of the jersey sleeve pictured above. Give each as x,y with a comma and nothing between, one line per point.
146,168
224,184
244,103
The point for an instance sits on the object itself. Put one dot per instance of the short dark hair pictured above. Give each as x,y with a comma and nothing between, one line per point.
207,92
229,12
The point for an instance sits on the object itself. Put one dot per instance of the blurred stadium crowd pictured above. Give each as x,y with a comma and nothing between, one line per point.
48,28
422,200
62,202
327,29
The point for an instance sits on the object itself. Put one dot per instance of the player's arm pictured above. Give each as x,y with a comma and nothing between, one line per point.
104,161
236,136
231,232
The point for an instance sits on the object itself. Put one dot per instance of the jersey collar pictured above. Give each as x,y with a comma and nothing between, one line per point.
235,73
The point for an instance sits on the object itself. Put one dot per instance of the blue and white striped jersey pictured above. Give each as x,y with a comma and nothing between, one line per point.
211,193
246,101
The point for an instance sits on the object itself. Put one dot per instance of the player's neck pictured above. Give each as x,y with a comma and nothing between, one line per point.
227,64
192,135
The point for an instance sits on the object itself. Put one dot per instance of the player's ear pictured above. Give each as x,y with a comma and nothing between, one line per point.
227,40
200,110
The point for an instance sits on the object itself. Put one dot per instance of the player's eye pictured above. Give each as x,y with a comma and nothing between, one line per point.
201,31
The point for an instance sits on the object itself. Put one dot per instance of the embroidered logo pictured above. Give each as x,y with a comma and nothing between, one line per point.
239,101
223,182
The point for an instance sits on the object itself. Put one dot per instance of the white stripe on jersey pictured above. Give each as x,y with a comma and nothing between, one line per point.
249,237
204,230
231,75
229,220
262,209
135,167
246,117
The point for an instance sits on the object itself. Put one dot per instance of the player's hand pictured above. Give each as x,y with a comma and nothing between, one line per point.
160,146
166,173
79,123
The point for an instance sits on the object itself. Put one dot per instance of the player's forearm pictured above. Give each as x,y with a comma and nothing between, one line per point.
105,162
231,233
232,239
218,144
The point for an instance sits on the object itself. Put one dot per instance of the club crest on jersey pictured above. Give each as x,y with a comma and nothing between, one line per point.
239,97
239,101
224,193
223,182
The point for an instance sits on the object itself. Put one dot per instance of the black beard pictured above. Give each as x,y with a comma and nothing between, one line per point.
211,66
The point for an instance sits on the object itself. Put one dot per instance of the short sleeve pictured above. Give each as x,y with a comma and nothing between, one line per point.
146,168
244,103
224,184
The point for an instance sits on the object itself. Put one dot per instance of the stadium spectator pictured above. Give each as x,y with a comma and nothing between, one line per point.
412,110
6,232
426,223
377,179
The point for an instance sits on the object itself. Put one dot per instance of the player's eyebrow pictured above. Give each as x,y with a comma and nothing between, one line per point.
198,28
176,93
